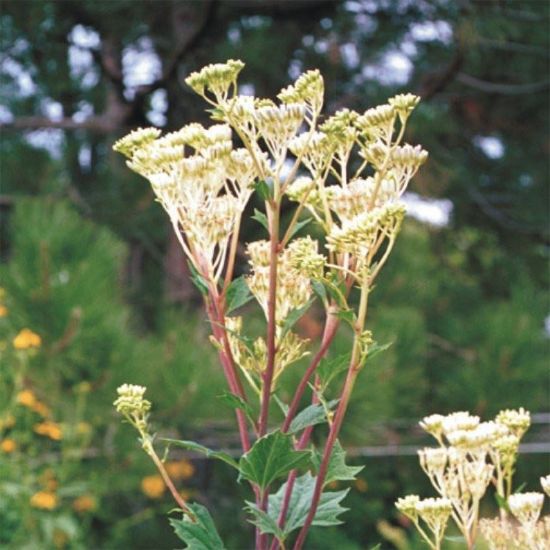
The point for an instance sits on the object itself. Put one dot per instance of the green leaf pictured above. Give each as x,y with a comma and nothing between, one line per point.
197,447
261,218
238,294
502,502
198,280
293,317
281,404
337,470
200,534
319,288
236,402
263,189
376,547
310,416
330,368
376,348
264,521
337,291
300,503
298,226
347,315
271,457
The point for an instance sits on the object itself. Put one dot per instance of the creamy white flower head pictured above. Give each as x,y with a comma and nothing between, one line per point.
545,483
433,424
136,139
279,124
461,420
130,400
358,234
408,156
526,507
309,88
404,104
434,507
407,505
216,78
517,421
433,461
481,436
293,284
383,115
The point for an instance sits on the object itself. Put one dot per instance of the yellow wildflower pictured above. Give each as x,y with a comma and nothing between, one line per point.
84,503
44,500
153,486
27,339
8,446
3,310
182,469
41,408
26,398
49,429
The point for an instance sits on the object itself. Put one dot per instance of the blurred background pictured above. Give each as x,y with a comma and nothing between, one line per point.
90,268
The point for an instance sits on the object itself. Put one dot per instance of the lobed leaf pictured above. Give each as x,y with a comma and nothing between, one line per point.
271,457
238,294
300,503
200,534
337,469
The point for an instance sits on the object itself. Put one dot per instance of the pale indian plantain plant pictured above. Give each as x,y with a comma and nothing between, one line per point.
348,171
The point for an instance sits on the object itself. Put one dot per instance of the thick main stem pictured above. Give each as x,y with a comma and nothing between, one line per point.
271,318
267,377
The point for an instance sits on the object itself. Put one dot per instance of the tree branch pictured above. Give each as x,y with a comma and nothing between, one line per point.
502,88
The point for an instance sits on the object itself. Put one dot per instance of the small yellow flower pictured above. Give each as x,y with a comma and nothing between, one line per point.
182,469
44,500
3,310
8,446
41,409
49,429
26,398
153,486
84,503
27,339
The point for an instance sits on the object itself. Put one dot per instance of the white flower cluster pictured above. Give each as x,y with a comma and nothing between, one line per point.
297,264
471,455
252,356
132,405
204,192
434,512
